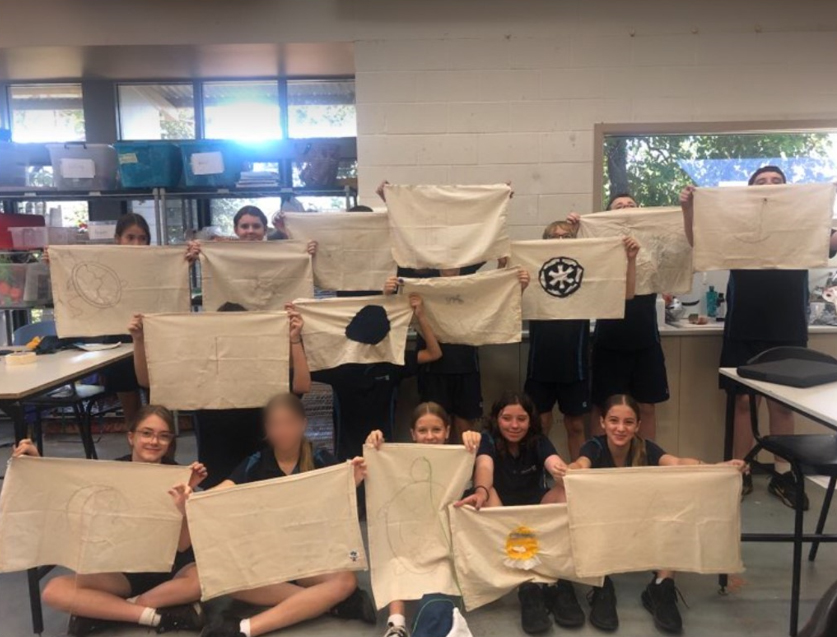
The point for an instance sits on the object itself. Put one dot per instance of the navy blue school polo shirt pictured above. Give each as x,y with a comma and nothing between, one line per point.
520,479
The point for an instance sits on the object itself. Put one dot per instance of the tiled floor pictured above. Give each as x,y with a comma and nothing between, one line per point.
758,605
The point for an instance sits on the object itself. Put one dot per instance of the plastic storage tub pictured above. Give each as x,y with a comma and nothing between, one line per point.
149,164
211,163
83,166
14,161
31,238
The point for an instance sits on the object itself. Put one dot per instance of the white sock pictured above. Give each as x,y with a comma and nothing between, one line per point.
149,617
244,627
397,620
132,600
781,467
659,580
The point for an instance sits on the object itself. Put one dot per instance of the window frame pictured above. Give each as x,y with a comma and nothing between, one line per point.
116,101
601,131
7,112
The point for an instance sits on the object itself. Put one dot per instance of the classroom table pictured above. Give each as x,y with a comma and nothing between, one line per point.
49,372
816,403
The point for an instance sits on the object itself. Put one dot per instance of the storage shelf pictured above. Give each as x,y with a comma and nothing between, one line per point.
255,192
52,194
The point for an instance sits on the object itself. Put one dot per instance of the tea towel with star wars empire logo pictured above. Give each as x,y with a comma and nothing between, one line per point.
573,278
276,530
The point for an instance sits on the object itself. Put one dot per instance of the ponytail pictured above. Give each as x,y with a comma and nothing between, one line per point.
639,452
306,456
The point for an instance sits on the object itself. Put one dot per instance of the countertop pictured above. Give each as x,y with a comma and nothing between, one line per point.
684,328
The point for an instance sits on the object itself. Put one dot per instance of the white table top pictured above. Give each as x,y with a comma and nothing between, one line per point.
50,370
819,402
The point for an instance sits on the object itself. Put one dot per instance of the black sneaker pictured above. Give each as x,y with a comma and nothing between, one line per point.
534,618
661,601
746,484
358,605
561,601
82,626
223,627
603,606
783,486
176,618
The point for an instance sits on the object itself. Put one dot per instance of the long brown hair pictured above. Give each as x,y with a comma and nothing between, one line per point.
163,414
292,403
514,398
638,452
434,409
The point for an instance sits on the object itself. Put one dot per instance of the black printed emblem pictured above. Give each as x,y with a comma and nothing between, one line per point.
561,276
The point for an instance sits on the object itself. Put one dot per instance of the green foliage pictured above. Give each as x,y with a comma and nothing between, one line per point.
649,166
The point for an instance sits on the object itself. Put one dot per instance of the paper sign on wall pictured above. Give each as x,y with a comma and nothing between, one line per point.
447,226
655,518
408,490
573,278
258,275
364,329
476,309
299,526
217,360
664,261
353,249
97,289
89,516
763,227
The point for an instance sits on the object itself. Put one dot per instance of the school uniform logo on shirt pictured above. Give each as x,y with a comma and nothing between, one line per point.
522,548
561,276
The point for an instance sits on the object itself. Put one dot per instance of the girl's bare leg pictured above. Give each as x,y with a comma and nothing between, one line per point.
100,596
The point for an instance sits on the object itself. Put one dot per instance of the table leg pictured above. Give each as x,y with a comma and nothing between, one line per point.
14,410
34,577
729,425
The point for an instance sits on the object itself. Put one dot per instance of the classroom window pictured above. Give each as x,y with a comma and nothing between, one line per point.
46,112
321,108
654,168
247,111
156,111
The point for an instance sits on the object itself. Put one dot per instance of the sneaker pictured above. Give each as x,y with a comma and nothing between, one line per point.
783,486
603,606
661,601
747,484
177,618
358,605
82,626
534,618
223,627
397,631
563,604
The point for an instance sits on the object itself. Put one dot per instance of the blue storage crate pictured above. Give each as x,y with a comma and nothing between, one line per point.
149,164
212,163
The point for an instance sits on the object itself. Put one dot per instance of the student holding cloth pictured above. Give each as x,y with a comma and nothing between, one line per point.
622,446
766,308
558,369
511,469
429,425
165,602
627,354
289,452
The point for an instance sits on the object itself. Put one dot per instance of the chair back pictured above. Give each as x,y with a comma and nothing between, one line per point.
26,333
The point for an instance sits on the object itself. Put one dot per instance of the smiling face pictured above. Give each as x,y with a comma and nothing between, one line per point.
250,228
150,441
513,422
620,424
430,430
621,203
284,429
769,178
132,236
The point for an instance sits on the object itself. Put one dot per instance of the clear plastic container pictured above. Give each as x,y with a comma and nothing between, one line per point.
40,237
84,166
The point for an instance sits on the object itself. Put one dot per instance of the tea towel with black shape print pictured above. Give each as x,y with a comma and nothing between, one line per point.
573,278
364,329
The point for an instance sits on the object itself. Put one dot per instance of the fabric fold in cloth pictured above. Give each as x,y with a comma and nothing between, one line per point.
217,360
476,309
257,275
89,516
276,531
353,248
408,489
447,226
97,289
785,227
684,519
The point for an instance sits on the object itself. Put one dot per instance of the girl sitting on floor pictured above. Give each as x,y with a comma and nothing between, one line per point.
622,446
163,601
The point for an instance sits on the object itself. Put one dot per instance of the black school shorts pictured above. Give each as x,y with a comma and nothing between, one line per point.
459,394
573,398
736,352
639,373
143,582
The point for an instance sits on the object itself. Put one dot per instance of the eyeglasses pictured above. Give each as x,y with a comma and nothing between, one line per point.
148,435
